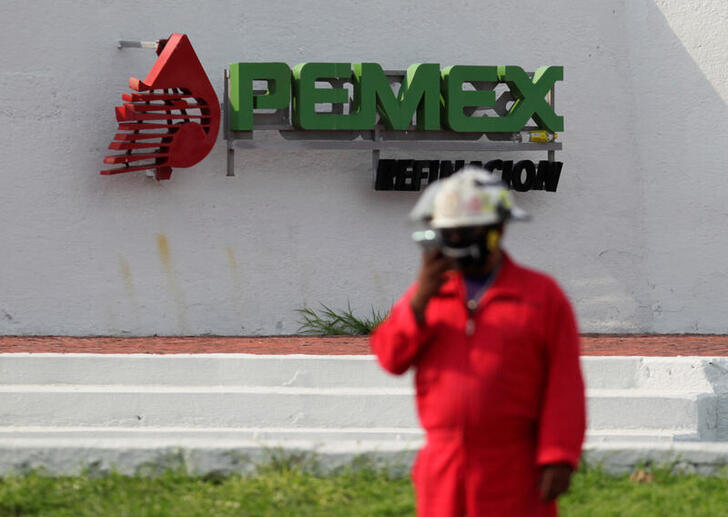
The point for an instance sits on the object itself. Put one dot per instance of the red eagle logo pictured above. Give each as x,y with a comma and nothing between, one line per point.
173,118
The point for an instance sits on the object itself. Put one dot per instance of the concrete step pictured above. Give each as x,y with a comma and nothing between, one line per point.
130,452
642,409
205,406
228,412
303,371
646,436
270,406
181,435
171,436
696,374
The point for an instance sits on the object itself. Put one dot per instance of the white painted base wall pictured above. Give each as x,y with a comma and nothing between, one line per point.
65,411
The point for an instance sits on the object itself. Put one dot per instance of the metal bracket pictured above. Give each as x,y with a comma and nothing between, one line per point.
375,164
551,155
138,44
226,125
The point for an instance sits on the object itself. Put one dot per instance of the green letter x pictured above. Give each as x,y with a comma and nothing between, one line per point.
529,96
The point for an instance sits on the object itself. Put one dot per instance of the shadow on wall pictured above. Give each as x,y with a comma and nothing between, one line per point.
671,280
681,122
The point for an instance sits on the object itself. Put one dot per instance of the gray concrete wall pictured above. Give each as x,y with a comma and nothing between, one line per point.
635,233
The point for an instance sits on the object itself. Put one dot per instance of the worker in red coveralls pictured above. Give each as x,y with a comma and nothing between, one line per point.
496,355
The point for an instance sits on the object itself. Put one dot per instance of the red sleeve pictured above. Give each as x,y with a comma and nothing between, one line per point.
563,414
398,339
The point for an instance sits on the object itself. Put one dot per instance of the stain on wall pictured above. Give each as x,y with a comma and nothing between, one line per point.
237,294
129,288
126,277
165,257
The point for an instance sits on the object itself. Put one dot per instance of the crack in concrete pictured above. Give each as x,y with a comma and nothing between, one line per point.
292,379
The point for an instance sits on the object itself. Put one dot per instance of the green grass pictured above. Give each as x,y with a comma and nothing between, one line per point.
281,489
273,492
330,322
596,494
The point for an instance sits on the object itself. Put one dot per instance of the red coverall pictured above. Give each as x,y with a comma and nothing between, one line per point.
498,397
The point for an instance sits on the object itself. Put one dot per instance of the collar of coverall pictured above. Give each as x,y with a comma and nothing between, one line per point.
505,283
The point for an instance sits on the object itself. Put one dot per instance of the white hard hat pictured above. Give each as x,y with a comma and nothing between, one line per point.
471,197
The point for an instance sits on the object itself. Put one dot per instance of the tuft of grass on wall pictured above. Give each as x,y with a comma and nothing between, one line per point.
329,322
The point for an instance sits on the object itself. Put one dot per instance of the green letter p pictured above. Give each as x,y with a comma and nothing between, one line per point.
242,100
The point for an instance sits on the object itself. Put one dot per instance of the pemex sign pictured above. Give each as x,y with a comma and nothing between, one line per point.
435,96
171,118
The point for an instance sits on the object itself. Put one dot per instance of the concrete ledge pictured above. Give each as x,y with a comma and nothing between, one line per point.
687,397
197,370
172,436
686,373
197,456
201,457
706,458
253,406
231,412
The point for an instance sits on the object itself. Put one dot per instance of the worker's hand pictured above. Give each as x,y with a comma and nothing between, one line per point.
431,278
555,480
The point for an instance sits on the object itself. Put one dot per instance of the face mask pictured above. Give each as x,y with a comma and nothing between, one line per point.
469,246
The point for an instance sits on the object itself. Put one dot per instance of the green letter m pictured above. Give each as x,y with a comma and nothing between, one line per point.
419,91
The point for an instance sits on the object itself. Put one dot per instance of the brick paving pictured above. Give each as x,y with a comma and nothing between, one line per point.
599,344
